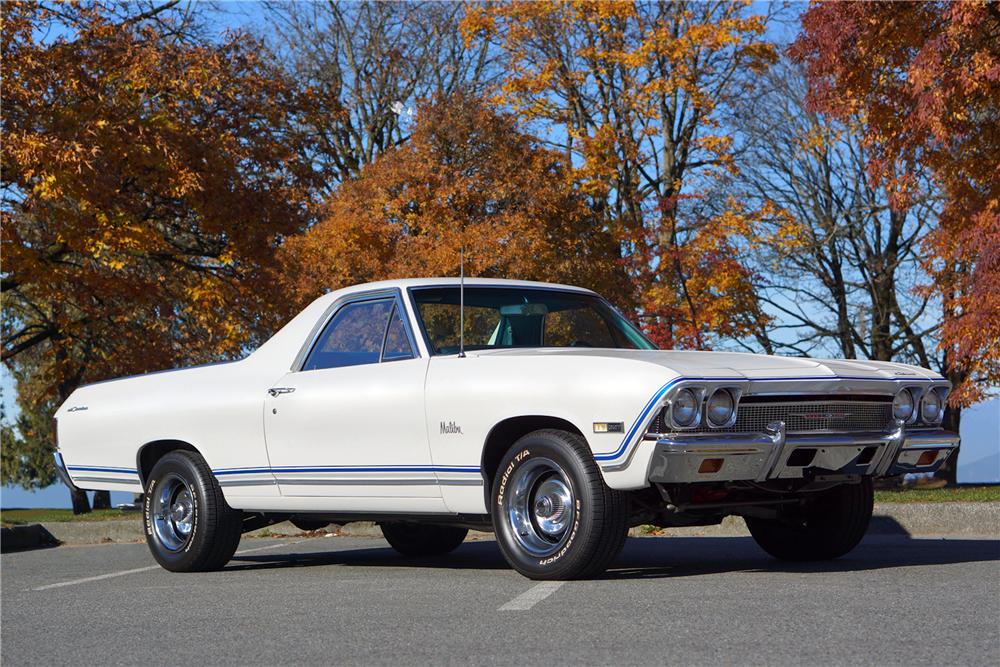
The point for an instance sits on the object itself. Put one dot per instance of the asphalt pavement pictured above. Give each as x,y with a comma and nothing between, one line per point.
343,600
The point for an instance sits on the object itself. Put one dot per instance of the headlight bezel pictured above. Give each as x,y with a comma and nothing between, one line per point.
695,395
905,391
730,415
937,394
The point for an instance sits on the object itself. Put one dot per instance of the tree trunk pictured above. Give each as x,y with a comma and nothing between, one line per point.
952,422
102,500
80,503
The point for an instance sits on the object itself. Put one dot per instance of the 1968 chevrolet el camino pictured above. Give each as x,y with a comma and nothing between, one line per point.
547,417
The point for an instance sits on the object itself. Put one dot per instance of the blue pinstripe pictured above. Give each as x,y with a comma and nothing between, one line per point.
602,456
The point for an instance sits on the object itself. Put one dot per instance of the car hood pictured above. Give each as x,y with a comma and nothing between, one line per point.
734,364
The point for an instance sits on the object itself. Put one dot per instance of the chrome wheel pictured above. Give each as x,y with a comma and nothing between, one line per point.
540,506
173,512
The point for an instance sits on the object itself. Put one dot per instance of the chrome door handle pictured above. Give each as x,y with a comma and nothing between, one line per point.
275,391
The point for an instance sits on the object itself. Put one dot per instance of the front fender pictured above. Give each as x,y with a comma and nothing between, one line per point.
466,398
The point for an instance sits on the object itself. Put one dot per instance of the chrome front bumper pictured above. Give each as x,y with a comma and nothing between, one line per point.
725,457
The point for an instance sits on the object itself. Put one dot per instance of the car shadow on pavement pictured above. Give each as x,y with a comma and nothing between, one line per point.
479,555
696,556
662,557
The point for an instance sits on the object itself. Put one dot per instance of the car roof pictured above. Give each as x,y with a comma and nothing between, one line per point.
405,283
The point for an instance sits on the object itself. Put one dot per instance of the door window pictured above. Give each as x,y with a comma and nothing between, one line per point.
397,343
352,337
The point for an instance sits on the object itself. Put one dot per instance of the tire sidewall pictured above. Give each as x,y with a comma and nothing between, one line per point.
835,524
417,540
189,553
567,558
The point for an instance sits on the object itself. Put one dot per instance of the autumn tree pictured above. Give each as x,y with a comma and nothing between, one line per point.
838,264
365,66
632,94
147,180
926,78
468,177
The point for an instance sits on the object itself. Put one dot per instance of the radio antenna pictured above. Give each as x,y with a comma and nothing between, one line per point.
461,305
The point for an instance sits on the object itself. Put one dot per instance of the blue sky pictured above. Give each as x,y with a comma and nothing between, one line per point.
7,391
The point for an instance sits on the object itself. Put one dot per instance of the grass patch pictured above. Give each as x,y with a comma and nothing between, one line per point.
957,494
16,517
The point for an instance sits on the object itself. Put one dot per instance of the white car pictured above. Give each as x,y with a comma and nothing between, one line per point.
547,418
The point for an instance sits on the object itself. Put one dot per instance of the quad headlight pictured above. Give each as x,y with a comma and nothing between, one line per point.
902,405
684,409
930,407
720,408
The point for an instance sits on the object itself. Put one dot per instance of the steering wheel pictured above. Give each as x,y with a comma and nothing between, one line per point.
580,343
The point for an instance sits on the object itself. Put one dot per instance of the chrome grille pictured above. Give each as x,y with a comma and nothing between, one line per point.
821,415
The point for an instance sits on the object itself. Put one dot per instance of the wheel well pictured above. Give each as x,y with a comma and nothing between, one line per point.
506,433
152,452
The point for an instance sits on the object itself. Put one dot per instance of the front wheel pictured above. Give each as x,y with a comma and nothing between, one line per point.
829,526
553,515
189,525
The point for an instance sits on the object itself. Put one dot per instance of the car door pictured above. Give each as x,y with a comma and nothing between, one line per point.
348,422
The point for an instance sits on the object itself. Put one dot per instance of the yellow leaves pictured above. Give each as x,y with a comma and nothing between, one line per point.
720,147
478,23
779,230
47,187
600,151
606,10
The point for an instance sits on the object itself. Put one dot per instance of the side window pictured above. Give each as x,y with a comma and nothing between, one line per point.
354,336
397,344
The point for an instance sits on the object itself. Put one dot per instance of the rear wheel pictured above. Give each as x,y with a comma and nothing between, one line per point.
553,515
189,526
416,539
829,526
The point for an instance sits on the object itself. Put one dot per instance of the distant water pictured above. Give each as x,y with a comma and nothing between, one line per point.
979,459
55,496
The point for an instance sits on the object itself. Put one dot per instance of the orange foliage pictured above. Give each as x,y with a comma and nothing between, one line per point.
926,78
634,92
466,176
146,185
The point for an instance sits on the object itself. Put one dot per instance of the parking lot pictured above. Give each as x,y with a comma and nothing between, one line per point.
343,600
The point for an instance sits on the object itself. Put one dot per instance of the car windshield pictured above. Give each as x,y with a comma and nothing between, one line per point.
504,317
